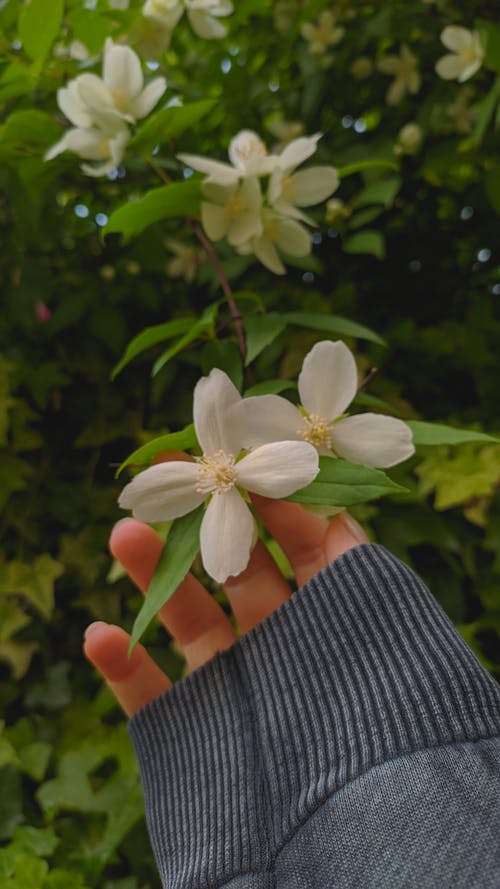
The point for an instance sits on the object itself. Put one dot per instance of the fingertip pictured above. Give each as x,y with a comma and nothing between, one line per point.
106,647
343,534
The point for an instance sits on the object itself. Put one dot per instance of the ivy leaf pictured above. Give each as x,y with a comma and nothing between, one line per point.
34,581
178,554
439,434
185,438
39,23
151,336
169,123
260,331
340,483
178,199
333,324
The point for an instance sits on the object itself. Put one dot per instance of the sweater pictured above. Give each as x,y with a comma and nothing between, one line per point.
349,741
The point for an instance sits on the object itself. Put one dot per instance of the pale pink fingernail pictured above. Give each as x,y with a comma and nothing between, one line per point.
91,629
354,528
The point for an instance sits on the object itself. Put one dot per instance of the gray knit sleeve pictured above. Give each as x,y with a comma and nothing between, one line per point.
324,742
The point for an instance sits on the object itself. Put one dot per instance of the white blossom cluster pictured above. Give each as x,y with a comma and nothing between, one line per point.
258,221
203,15
102,109
265,445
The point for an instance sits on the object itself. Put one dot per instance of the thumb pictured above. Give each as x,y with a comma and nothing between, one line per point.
343,533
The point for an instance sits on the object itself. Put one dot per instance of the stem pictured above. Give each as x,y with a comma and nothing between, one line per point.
369,376
236,316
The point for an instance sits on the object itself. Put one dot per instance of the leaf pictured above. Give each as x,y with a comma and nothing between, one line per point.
439,434
179,551
34,581
185,438
360,166
178,199
39,24
457,478
270,387
486,109
34,759
90,28
382,192
203,325
151,336
36,841
333,324
490,40
492,187
225,355
29,127
368,241
260,331
169,123
340,483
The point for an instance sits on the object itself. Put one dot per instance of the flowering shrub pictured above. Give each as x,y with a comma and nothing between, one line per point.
329,292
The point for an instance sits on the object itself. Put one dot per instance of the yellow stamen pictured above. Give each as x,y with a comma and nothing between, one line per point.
216,474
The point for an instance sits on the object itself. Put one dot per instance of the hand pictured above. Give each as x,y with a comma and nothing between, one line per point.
192,616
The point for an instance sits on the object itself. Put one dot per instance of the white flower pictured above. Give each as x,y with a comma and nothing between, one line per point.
232,211
95,145
288,190
165,12
323,34
170,490
337,211
204,17
460,112
466,55
247,153
407,78
185,261
327,385
286,131
277,232
409,139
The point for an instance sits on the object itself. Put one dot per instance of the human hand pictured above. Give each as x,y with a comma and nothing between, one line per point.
192,616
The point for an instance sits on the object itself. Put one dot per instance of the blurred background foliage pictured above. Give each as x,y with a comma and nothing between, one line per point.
409,248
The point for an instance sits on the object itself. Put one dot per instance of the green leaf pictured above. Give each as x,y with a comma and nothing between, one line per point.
39,24
492,187
169,123
204,325
270,387
178,199
367,241
381,192
333,324
260,331
90,28
439,434
360,166
29,127
486,110
185,438
34,759
225,355
490,40
151,336
179,551
34,581
37,841
340,483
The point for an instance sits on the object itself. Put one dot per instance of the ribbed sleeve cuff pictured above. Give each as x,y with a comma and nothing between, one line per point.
360,666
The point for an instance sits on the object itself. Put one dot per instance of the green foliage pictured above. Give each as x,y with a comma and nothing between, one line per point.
94,300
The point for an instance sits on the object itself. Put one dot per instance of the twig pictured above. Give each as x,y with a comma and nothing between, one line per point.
369,376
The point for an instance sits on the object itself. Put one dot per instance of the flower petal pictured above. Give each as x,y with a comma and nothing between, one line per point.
214,395
279,468
72,105
162,492
151,94
205,25
470,70
328,380
214,220
266,253
456,38
373,439
298,151
312,186
266,418
226,536
121,69
293,238
95,94
222,174
449,67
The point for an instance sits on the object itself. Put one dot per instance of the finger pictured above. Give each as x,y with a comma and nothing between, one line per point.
300,535
191,616
134,681
309,542
258,590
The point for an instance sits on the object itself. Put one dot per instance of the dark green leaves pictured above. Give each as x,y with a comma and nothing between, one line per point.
438,434
178,199
178,441
260,331
176,559
340,483
169,123
151,336
333,324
